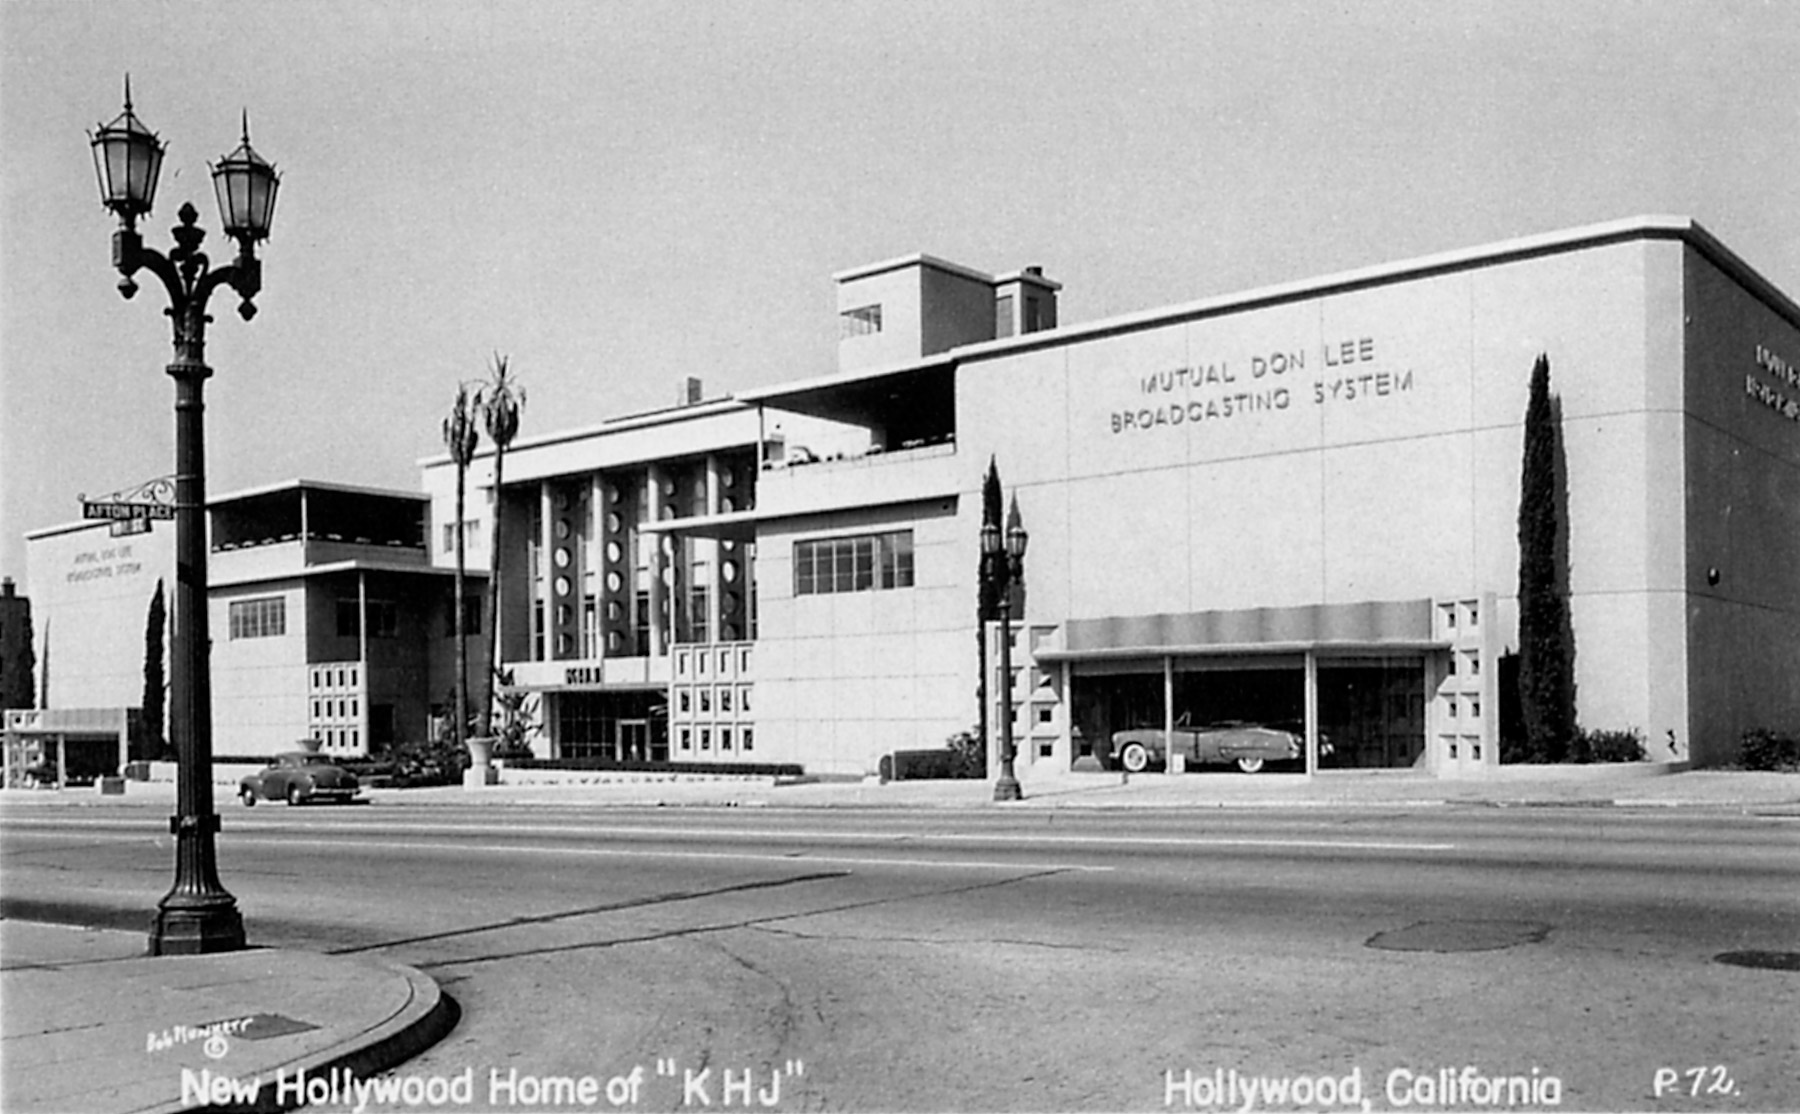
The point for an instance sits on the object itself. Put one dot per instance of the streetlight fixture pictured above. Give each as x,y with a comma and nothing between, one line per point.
197,915
1004,565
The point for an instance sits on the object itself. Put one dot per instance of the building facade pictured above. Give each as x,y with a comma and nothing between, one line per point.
328,620
1295,505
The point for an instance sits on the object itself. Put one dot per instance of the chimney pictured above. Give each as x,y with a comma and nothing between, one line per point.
690,391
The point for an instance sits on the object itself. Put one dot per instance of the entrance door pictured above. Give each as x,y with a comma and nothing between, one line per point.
634,740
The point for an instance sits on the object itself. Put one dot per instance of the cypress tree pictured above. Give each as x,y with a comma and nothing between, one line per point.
152,723
987,602
1546,666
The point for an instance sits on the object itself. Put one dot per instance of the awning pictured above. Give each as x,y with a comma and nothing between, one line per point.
1363,627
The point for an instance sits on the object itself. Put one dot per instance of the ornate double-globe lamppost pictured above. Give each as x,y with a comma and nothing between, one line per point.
1005,559
197,915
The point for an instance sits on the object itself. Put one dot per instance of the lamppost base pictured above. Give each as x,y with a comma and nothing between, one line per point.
1007,789
203,931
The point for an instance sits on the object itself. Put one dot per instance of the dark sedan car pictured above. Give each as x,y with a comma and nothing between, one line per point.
1249,745
297,777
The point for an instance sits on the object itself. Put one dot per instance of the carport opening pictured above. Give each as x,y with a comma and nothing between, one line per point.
1372,711
1371,708
1110,697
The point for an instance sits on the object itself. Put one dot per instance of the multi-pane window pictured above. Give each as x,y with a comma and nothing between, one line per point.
472,606
259,618
866,562
861,321
384,619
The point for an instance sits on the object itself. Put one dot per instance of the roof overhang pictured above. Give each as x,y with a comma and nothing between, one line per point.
737,524
334,568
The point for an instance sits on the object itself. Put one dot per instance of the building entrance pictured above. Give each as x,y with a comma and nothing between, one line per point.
633,742
614,726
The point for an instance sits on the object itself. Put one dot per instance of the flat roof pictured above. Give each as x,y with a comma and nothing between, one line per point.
916,259
315,485
1645,227
217,579
639,420
1525,247
847,378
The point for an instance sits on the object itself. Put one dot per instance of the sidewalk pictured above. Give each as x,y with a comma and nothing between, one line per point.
91,1024
1645,785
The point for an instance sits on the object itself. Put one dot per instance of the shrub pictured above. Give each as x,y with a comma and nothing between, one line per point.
1610,746
1762,749
968,755
633,765
432,762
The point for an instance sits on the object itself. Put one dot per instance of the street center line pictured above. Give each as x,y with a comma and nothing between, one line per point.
623,853
1035,839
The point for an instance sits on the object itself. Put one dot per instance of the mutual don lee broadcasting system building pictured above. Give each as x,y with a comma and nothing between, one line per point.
1297,504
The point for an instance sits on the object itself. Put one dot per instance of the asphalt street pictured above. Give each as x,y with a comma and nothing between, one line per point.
1010,961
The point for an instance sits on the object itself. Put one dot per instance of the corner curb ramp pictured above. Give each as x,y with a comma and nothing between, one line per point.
427,1018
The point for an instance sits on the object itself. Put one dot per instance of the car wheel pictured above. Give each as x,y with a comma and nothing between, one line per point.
294,796
1250,765
1135,757
248,796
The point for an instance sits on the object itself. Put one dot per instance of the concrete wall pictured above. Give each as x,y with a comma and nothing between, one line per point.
90,598
898,293
1360,445
958,308
259,687
842,679
1742,500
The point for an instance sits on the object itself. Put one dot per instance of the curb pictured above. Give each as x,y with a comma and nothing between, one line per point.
428,1017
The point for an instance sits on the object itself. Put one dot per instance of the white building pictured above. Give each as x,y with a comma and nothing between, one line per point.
1298,503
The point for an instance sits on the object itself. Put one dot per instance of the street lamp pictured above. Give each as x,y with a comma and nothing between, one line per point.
197,915
1004,568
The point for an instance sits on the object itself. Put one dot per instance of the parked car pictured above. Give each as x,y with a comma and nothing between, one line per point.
296,777
1249,745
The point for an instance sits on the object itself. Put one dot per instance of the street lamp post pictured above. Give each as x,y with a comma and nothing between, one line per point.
1005,567
197,915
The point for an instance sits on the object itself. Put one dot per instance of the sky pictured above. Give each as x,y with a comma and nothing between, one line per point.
617,196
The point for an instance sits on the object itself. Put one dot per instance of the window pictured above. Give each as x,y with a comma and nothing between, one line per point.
259,618
384,619
1003,316
854,564
471,613
861,321
471,532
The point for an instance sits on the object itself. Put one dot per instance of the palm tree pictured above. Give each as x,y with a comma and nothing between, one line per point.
461,437
501,404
